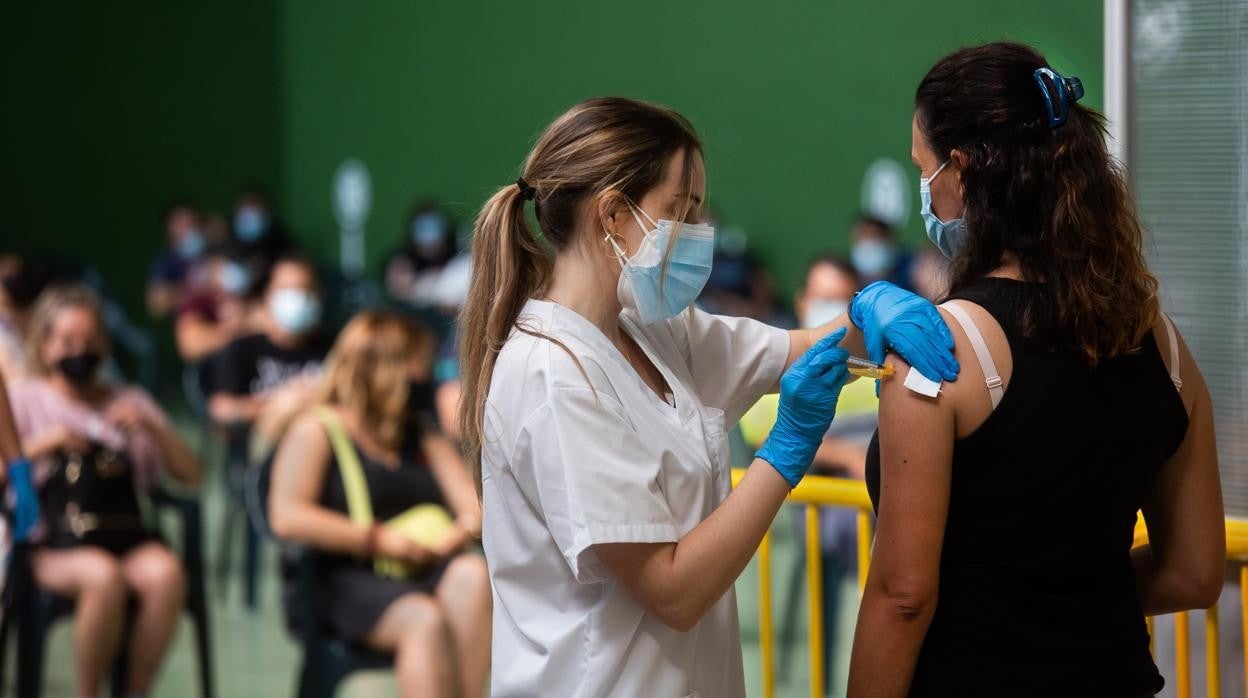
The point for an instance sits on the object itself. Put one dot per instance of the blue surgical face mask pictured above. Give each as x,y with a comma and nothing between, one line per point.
873,258
948,236
658,290
233,278
295,310
191,244
250,224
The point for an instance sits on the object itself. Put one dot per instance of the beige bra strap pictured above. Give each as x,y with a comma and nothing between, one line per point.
992,379
1174,352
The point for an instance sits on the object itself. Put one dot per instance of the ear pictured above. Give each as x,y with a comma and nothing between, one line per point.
607,206
958,158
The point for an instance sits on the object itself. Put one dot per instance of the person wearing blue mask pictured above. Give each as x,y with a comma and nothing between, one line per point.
281,363
414,271
254,229
875,254
186,242
596,403
1004,562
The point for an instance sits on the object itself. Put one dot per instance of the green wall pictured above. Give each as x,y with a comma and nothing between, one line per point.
793,99
113,108
110,109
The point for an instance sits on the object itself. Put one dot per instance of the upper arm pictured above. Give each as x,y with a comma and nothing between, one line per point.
452,476
1186,524
916,456
733,360
299,468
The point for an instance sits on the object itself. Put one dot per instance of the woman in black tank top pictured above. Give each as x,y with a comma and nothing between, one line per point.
1007,504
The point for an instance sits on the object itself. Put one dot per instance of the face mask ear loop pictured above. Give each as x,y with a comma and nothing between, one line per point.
940,169
619,255
635,209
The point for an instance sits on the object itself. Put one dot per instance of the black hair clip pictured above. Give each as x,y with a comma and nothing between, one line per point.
526,191
1067,90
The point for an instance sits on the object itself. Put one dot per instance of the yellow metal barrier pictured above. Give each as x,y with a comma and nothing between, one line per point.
815,491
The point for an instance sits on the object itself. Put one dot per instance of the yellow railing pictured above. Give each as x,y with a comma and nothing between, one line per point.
815,491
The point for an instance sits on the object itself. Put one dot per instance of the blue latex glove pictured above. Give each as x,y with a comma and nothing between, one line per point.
808,394
26,508
910,325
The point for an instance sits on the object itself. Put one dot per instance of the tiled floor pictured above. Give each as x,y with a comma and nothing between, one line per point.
255,656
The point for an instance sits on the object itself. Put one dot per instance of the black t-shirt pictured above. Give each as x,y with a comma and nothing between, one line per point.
253,365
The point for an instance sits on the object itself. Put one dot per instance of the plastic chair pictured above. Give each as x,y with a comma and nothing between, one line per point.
327,661
34,610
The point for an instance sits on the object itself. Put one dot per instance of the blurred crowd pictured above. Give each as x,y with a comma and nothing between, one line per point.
340,417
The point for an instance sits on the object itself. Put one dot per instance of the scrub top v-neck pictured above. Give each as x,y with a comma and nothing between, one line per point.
578,451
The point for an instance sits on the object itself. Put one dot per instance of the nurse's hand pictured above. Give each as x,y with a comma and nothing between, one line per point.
910,325
808,394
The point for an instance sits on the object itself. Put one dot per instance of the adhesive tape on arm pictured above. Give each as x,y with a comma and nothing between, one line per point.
921,384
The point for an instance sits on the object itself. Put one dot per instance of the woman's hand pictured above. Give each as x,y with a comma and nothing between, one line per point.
453,542
397,546
809,392
126,416
57,438
910,325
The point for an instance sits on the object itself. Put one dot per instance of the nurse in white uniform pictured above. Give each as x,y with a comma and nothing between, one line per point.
596,405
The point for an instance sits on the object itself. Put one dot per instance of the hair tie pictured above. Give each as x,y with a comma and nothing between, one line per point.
1068,90
526,192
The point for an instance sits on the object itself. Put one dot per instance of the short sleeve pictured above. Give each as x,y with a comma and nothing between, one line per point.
593,478
229,373
733,360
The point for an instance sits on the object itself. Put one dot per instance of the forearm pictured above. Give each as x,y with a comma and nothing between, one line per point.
803,339
179,460
10,442
689,577
229,409
1164,588
887,641
318,527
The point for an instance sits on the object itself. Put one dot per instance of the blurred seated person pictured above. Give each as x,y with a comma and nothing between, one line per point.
930,273
260,235
215,307
829,286
185,242
96,447
21,282
258,379
413,271
433,608
739,286
875,254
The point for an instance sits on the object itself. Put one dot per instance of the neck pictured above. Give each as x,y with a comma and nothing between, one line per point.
62,385
281,337
1009,268
583,283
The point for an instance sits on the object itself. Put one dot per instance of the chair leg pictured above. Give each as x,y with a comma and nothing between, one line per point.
203,638
31,636
251,564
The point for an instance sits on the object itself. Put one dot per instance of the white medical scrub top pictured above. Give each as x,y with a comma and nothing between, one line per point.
570,460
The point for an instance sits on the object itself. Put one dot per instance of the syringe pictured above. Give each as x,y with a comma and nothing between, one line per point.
869,369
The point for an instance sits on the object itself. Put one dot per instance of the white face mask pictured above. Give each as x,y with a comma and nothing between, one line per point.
657,291
295,310
821,311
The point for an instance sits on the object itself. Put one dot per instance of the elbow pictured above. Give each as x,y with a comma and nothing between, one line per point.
1204,589
909,600
680,612
279,521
